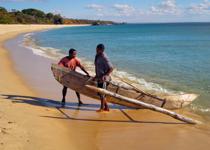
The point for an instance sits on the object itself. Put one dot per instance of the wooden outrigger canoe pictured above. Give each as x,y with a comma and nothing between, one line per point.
77,81
123,95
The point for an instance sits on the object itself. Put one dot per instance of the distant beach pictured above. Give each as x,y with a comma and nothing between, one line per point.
29,98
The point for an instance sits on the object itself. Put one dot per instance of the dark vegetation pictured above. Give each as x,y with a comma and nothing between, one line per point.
35,16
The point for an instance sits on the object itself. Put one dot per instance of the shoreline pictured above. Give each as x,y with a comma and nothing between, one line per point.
74,125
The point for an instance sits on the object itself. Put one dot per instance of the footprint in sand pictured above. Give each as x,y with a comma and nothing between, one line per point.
3,131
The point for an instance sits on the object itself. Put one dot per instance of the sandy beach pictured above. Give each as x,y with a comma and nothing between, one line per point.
30,116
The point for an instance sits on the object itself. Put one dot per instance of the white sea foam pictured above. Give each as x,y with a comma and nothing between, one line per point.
200,109
47,52
142,83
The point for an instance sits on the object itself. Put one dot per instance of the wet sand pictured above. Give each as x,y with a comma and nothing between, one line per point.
38,122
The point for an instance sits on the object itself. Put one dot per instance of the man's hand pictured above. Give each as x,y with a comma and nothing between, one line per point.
94,78
104,78
88,74
83,69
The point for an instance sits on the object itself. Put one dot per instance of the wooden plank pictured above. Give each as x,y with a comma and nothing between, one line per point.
145,105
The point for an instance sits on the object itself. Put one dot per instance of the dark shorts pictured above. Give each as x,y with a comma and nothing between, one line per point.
102,85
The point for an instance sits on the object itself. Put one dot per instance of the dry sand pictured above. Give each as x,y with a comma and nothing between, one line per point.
26,123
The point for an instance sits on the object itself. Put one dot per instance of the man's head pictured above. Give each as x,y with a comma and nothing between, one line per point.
72,53
100,49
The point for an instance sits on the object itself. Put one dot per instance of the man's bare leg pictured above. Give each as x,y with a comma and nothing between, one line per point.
64,91
106,108
102,104
79,100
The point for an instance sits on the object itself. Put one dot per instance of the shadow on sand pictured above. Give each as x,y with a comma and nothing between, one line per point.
37,101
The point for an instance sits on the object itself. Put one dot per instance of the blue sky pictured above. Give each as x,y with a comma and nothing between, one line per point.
121,10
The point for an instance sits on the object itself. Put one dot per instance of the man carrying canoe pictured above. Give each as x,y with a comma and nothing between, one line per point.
71,62
103,69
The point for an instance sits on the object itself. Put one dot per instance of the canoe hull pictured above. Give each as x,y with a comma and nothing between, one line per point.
77,81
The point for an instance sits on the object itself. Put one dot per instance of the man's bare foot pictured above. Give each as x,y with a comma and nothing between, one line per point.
106,109
100,110
80,103
63,104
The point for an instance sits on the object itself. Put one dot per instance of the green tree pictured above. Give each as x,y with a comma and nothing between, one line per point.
5,17
49,16
3,10
57,19
35,16
34,12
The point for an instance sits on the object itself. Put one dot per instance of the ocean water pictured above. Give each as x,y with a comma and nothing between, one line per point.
162,57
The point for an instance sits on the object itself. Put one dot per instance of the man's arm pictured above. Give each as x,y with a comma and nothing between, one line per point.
110,68
64,62
61,62
104,78
109,72
83,69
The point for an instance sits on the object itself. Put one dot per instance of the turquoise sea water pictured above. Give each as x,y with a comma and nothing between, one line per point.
163,56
